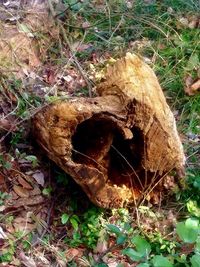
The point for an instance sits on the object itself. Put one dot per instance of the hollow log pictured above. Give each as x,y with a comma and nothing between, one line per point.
119,145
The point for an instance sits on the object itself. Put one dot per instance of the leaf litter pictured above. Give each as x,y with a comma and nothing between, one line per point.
26,209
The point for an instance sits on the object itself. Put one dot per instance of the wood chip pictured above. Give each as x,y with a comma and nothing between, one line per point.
36,200
24,183
20,191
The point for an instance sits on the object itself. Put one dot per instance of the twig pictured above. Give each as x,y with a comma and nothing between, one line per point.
75,60
17,122
70,48
106,252
39,239
119,24
69,6
127,162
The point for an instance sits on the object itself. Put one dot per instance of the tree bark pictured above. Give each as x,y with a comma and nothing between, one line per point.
117,146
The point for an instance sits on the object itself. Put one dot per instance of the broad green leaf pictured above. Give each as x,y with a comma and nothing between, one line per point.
196,184
132,254
24,28
160,261
76,236
74,223
127,226
197,245
114,229
142,246
75,217
7,165
47,191
193,207
121,239
76,5
195,260
188,231
64,218
192,223
143,265
181,258
193,62
31,158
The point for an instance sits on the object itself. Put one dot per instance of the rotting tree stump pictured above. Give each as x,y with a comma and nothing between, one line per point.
117,146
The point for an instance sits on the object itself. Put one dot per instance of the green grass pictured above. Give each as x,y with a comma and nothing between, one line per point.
152,30
175,49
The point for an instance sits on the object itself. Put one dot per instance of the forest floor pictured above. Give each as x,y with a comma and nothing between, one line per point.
59,49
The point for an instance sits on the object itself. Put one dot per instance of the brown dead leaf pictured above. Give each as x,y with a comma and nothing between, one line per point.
101,246
2,208
24,183
31,201
190,21
6,125
188,80
187,249
2,242
42,260
169,182
20,191
36,191
72,80
86,24
22,225
183,21
72,253
15,262
83,47
18,48
129,4
194,21
27,261
39,177
112,263
77,46
23,47
2,180
196,86
60,262
50,76
102,243
14,196
82,262
192,87
2,183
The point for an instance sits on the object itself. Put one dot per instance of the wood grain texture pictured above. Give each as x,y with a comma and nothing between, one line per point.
116,146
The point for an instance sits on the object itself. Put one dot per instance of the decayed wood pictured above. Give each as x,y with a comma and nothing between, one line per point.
116,146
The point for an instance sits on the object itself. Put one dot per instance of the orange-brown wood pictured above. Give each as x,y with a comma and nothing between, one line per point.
117,146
